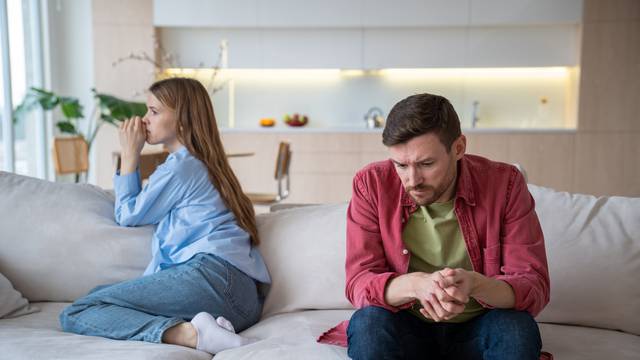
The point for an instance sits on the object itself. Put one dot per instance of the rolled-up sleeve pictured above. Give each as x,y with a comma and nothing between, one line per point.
524,260
367,269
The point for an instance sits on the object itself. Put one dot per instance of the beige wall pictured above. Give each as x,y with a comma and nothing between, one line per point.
120,27
607,146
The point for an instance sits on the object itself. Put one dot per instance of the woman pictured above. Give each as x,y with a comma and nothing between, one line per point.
204,266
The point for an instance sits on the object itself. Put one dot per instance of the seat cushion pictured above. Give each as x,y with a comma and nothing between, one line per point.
568,342
292,336
38,336
284,336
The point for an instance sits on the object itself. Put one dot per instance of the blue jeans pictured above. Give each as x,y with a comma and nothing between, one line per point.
376,333
142,309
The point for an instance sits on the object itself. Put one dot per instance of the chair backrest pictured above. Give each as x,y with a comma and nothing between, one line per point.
283,160
71,155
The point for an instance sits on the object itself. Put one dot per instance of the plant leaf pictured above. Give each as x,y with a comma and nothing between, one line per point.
66,127
113,109
71,108
47,99
109,119
35,98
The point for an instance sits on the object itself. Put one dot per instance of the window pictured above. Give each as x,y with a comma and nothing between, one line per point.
23,144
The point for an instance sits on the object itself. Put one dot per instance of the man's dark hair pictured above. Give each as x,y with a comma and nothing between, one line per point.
421,114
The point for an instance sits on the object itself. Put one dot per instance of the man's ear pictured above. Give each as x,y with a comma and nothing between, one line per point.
460,147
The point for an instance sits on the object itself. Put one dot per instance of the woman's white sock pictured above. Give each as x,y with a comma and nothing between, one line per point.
225,324
213,337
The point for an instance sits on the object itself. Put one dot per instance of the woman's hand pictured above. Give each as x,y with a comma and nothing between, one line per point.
132,135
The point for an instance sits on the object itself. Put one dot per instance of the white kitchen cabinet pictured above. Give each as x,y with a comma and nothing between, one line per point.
414,13
201,47
308,48
364,13
525,12
418,48
373,34
531,46
205,13
273,48
296,13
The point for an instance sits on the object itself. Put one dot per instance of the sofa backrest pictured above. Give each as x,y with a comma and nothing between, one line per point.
58,241
593,249
304,249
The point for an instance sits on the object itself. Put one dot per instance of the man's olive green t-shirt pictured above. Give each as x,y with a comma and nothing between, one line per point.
434,240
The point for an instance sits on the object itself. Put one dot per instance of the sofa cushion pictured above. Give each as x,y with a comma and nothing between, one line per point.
58,241
12,304
304,249
593,249
38,336
284,336
292,336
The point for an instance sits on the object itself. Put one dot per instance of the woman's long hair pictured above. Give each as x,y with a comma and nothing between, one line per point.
198,132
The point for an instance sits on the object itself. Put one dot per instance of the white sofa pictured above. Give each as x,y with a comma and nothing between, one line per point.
57,241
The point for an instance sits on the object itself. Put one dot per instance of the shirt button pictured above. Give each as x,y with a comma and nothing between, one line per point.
405,251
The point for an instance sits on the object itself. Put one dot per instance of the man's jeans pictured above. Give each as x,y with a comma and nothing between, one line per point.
376,333
143,308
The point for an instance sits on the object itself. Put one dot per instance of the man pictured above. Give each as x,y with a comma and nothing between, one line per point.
445,254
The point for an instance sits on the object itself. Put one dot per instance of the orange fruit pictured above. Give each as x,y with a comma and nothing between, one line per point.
267,122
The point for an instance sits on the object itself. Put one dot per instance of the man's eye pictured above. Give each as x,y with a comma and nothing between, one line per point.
426,164
401,166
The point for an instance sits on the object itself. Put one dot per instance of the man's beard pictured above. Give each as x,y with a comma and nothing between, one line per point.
436,192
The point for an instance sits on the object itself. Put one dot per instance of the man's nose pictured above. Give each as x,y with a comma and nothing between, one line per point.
414,177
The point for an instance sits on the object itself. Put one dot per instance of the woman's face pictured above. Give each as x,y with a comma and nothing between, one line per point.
161,124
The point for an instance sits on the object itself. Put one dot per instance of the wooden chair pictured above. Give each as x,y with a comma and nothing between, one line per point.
283,160
70,155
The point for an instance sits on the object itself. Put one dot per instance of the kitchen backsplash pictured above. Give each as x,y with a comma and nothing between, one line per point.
504,97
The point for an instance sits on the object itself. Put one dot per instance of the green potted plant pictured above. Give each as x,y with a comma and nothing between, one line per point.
107,110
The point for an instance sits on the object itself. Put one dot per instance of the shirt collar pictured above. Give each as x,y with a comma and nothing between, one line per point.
464,187
181,149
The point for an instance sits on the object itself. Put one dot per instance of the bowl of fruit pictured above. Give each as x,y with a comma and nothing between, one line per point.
296,120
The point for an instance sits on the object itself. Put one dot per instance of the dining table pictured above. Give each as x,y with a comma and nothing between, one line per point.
149,161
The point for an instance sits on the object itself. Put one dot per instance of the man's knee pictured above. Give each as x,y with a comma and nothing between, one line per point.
372,333
519,323
517,330
365,318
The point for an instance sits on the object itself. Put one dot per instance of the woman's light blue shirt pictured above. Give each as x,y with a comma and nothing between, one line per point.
190,213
